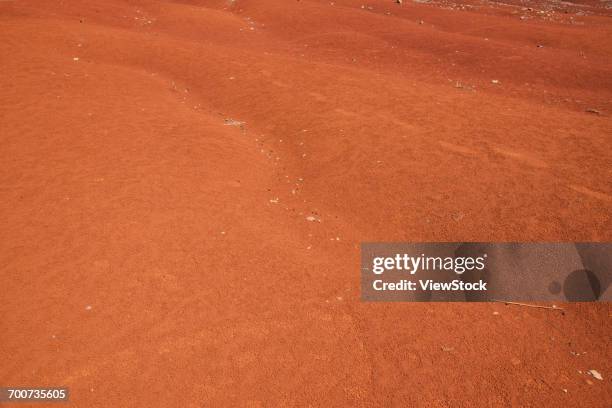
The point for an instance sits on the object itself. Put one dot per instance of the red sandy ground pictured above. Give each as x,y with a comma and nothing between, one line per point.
152,255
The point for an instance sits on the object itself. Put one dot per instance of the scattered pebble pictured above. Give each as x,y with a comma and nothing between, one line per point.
495,81
595,374
458,216
313,218
88,307
233,122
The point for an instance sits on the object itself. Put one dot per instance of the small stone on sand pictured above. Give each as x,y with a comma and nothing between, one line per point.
596,374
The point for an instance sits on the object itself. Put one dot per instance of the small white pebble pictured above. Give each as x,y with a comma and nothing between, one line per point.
596,374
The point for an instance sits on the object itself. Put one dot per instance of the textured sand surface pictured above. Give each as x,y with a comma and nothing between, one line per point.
160,160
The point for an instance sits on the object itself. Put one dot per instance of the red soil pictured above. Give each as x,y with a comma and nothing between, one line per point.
152,255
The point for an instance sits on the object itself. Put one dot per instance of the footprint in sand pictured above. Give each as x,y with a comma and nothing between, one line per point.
458,149
318,96
346,112
591,193
521,157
